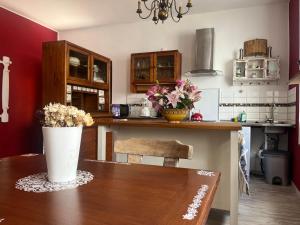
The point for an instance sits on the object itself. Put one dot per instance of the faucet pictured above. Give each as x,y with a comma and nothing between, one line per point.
271,119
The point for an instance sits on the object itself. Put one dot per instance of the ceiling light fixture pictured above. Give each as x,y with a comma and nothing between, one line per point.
162,9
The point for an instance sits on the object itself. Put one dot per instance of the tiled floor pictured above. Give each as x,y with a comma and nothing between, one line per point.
267,205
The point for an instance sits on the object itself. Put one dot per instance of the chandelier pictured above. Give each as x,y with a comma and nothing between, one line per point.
162,9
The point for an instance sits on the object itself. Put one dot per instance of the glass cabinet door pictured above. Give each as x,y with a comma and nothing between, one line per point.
142,68
240,69
272,68
165,67
100,70
78,65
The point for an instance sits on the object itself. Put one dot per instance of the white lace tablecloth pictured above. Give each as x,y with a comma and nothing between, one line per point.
39,182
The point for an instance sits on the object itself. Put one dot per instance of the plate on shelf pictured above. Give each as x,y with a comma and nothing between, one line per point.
99,80
74,61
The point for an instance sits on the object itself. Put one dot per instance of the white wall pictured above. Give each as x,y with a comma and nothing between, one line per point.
232,28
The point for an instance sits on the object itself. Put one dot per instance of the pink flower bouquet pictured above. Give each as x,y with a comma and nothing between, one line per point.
183,96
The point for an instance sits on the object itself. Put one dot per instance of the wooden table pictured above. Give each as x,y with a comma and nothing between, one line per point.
120,194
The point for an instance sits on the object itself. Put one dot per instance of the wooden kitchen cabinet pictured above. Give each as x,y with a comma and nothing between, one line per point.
89,140
73,75
148,68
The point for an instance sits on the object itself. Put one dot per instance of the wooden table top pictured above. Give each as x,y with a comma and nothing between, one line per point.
120,194
230,126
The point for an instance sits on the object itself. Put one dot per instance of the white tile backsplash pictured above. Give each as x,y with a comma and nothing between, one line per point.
292,95
281,109
226,116
240,100
227,100
292,109
292,98
265,100
247,95
291,117
264,116
291,114
253,109
280,116
264,109
253,116
280,100
257,95
292,91
237,110
280,93
252,92
226,109
252,100
255,113
240,92
227,94
266,92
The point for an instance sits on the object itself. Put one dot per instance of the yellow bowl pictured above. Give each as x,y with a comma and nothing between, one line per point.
175,115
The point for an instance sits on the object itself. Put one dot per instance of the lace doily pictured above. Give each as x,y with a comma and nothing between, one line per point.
39,182
206,173
197,201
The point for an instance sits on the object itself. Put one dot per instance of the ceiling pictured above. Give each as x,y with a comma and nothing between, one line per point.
74,14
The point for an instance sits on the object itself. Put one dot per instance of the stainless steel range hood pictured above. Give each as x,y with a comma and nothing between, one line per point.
204,54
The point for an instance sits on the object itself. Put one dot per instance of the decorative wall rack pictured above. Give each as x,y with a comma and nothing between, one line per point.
5,89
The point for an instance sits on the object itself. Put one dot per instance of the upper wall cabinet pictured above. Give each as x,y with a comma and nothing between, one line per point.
147,68
76,76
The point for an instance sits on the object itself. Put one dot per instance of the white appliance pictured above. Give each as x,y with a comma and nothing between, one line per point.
209,104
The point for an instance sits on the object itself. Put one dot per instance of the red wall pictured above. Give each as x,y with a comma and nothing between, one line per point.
21,40
294,57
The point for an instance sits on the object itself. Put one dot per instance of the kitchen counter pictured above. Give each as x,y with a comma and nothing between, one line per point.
160,123
215,147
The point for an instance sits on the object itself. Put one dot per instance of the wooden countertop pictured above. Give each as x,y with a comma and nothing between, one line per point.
230,126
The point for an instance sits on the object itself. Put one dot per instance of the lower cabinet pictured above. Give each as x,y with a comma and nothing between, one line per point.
89,146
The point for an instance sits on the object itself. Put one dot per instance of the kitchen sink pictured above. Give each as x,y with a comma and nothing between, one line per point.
277,124
268,124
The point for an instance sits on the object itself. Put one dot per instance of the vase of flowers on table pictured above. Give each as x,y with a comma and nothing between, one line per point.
62,129
174,103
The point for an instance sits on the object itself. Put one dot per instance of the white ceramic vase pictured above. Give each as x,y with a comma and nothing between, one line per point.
62,145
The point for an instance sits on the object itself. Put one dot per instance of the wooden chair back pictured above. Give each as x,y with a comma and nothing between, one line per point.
136,148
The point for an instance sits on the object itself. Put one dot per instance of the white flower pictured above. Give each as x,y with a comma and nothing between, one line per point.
58,115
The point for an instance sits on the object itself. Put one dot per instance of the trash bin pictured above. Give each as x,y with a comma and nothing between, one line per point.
276,166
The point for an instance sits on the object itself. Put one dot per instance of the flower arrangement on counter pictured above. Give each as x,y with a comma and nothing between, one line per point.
58,115
183,96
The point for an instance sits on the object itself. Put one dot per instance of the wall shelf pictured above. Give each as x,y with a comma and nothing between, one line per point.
256,69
